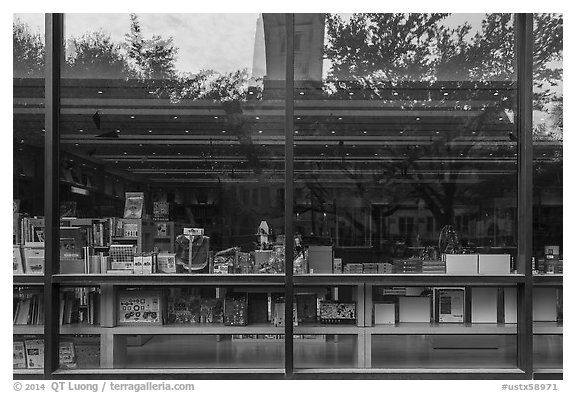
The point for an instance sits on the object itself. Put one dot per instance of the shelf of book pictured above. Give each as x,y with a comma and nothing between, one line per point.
28,329
548,279
27,371
28,279
408,328
409,279
195,329
164,373
328,329
170,279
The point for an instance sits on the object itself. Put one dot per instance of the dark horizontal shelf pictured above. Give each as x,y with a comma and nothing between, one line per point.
28,279
170,279
548,279
408,279
408,373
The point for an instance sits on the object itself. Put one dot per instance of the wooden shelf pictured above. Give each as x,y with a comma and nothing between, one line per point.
170,279
408,279
28,371
196,329
28,329
548,279
28,279
445,328
327,329
547,328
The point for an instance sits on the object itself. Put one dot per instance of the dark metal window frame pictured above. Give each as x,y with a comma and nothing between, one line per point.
524,44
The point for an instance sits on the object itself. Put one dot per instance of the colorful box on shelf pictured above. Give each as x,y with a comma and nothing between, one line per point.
140,307
461,263
384,313
33,260
337,312
494,264
320,259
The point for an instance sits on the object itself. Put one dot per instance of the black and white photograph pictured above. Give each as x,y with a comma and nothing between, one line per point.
283,196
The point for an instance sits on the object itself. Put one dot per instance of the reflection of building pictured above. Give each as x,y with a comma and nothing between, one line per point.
308,49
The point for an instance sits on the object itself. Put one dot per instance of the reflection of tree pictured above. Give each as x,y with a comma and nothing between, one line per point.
376,55
28,52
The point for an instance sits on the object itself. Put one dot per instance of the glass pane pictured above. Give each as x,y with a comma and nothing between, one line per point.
433,351
397,143
548,187
172,163
405,146
28,187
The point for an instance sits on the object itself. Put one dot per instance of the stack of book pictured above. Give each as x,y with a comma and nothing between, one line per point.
434,267
28,308
405,266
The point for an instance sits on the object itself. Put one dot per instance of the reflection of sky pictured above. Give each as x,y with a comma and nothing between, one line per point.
222,42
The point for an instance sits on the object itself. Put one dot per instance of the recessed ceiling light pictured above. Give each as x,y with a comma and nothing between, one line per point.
417,119
301,93
150,92
295,131
259,131
347,154
375,154
175,117
257,118
140,145
78,130
325,145
333,132
364,132
150,131
179,153
125,153
437,132
117,130
339,118
186,131
445,94
298,118
395,93
153,153
500,118
351,93
401,132
321,154
76,144
215,117
44,130
223,131
132,117
100,92
496,93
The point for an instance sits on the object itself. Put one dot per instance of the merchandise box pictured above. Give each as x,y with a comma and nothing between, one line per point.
17,265
320,259
484,305
544,305
449,305
34,260
34,353
337,266
494,264
414,309
337,312
72,266
461,264
166,263
384,313
18,355
140,307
